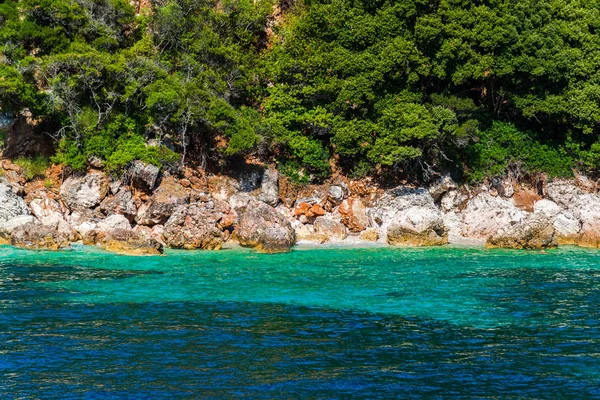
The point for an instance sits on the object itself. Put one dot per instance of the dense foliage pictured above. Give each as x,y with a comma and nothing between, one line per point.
399,88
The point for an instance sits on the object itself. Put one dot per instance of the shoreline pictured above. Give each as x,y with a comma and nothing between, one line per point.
147,210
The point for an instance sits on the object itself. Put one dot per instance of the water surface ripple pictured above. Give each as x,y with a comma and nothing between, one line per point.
314,323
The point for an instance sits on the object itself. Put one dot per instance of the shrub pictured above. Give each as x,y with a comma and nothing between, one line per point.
34,167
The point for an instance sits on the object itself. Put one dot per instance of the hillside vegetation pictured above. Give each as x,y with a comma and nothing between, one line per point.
411,88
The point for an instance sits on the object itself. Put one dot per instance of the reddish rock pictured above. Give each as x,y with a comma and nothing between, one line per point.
301,209
315,211
525,199
354,215
264,229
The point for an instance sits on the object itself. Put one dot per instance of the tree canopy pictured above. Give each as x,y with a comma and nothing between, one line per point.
411,88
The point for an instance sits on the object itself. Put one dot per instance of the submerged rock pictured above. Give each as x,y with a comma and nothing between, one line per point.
125,241
264,229
535,232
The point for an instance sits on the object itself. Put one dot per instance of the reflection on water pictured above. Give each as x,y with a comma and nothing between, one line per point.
370,323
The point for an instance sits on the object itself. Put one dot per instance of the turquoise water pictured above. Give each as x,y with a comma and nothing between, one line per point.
314,323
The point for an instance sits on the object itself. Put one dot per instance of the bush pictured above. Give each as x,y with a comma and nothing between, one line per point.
33,167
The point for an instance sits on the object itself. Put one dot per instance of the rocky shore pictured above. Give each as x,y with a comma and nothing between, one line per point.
145,210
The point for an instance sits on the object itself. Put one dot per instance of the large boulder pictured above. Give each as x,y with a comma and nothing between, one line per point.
13,211
121,203
260,226
546,207
269,190
485,215
409,217
417,226
330,228
169,195
197,226
84,192
11,205
140,175
112,222
534,232
354,214
124,241
49,213
586,208
33,235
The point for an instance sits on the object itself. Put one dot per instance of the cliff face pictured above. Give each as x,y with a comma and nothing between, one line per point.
145,210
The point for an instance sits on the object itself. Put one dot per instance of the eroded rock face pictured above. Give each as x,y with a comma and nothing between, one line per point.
546,207
121,203
354,215
35,236
169,195
84,192
11,205
441,187
586,208
269,191
453,200
330,228
124,241
485,215
197,226
307,233
417,226
567,227
112,222
142,176
534,232
264,229
563,192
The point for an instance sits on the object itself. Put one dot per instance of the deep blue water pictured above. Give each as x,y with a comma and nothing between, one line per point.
327,323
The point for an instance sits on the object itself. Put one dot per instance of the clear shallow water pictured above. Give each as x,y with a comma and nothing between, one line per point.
315,323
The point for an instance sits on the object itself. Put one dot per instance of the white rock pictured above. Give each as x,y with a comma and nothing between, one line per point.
115,221
6,227
566,224
486,214
11,205
546,207
563,192
452,200
84,192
